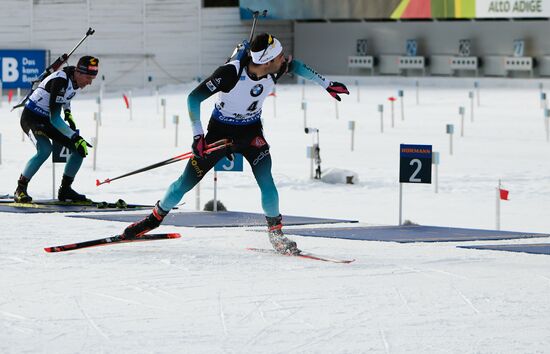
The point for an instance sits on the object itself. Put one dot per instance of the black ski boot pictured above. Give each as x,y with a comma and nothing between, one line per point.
65,191
279,241
21,195
142,227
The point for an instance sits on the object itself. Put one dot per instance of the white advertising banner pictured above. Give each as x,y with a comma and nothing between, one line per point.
512,8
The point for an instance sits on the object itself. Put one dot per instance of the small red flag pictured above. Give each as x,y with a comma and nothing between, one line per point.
10,95
126,101
392,99
273,94
503,194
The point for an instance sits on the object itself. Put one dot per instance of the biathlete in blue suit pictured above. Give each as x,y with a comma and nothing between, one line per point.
242,86
41,121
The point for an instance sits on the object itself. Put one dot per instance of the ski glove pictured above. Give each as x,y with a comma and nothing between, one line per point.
199,145
81,145
69,119
336,88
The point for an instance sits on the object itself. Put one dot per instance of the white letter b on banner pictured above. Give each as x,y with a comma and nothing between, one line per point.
9,70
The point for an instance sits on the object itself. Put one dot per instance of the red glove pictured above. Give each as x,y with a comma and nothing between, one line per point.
336,88
199,145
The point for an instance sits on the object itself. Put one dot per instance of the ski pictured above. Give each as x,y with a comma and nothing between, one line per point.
109,241
303,254
119,204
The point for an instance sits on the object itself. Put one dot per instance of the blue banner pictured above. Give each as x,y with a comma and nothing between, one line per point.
19,68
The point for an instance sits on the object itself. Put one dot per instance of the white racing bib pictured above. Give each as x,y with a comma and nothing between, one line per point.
243,104
39,100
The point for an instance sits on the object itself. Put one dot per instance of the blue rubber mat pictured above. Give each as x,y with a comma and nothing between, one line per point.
218,219
535,248
410,233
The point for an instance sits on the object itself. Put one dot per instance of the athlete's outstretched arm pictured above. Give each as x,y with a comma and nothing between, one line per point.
334,88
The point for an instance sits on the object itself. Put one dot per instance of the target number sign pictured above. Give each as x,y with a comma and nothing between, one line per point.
226,165
415,163
60,153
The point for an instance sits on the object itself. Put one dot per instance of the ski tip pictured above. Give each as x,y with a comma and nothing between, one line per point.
174,235
97,183
48,249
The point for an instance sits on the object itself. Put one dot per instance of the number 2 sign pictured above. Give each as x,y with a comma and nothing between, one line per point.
415,164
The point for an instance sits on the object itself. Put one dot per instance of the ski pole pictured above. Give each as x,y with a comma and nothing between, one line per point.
220,144
53,68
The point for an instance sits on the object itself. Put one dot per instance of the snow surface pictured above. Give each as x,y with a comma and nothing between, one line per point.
204,293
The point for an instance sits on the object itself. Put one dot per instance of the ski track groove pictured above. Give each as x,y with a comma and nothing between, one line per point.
17,328
257,307
384,340
322,337
222,313
13,315
265,328
262,313
395,272
56,337
404,301
447,273
150,289
467,301
291,308
167,284
177,266
13,326
20,260
91,321
128,301
147,286
162,291
428,271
